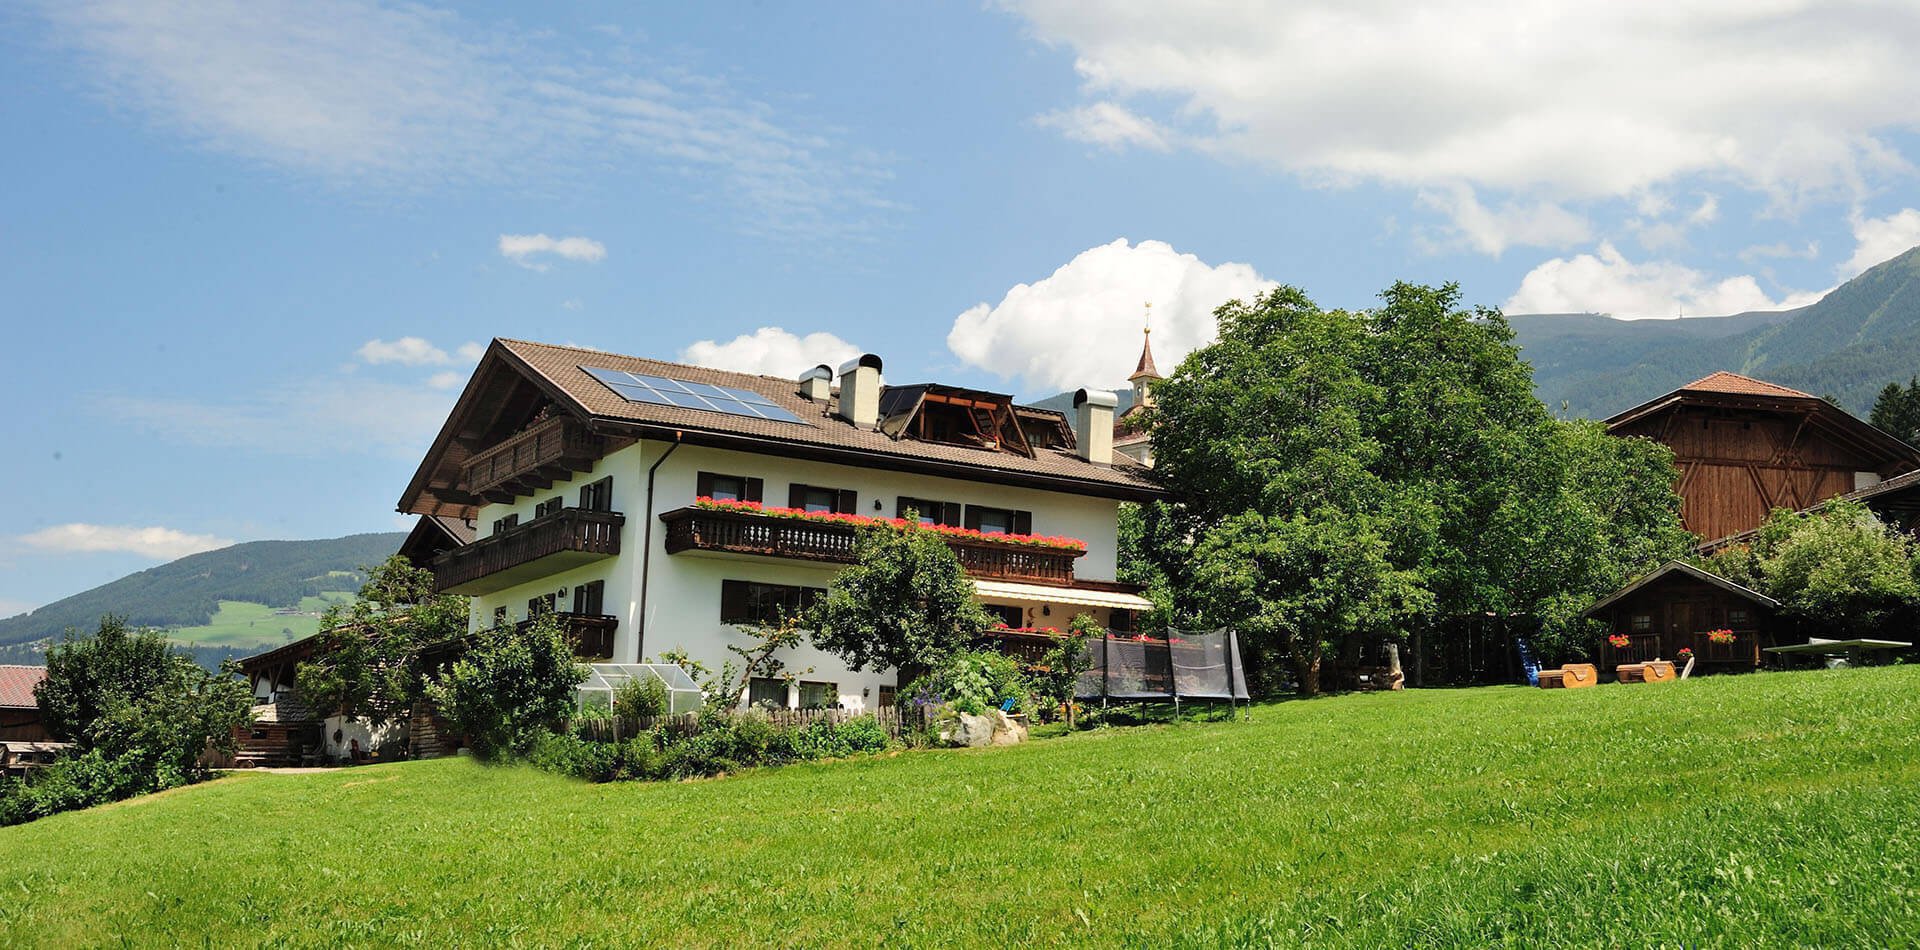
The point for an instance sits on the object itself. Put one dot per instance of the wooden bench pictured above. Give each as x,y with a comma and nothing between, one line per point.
1570,676
1652,671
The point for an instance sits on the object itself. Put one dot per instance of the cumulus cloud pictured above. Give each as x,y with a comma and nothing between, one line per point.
1524,99
1107,124
163,544
530,250
1607,282
448,380
1493,230
409,96
771,351
406,351
1080,326
1881,239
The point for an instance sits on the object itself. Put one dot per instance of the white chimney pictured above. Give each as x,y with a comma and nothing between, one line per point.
860,391
1093,425
817,383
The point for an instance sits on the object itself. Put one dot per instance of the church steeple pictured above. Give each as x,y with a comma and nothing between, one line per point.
1146,370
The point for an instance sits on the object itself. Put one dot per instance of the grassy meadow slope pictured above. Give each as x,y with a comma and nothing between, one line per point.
1769,808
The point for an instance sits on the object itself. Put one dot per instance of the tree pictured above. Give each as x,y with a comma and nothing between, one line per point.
1057,676
904,603
369,666
1897,410
513,686
1839,571
1410,434
90,677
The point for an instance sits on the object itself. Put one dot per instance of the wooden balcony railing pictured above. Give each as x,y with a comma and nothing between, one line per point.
1745,649
556,542
736,532
590,634
531,460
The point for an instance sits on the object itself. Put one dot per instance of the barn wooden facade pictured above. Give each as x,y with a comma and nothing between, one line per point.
1744,447
1676,607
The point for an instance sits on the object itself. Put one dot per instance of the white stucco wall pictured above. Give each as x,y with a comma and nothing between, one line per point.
683,605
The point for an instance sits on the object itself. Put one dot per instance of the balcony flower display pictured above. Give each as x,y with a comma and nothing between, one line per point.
1620,641
1720,637
825,517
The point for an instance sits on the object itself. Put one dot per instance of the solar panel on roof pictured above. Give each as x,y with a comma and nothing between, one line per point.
664,391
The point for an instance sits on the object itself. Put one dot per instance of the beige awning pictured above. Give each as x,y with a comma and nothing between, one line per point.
1079,596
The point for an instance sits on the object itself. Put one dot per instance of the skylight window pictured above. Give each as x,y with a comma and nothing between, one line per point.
685,394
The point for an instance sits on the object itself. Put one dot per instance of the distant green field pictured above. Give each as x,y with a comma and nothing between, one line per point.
1769,809
243,624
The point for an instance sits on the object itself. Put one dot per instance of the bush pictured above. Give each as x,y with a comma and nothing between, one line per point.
973,682
708,752
829,740
644,698
510,690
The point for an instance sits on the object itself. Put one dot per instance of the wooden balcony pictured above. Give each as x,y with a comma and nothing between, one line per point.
738,532
1744,651
590,634
547,545
531,460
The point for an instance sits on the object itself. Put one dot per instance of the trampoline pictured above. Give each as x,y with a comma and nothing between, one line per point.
1175,666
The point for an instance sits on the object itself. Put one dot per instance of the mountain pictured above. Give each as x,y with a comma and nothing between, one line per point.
275,575
1861,336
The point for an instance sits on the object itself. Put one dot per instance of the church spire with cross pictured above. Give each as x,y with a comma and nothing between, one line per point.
1145,372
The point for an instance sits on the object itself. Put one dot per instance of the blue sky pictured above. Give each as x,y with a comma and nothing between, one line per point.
249,248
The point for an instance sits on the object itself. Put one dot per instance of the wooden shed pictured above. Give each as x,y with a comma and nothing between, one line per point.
1677,606
1744,447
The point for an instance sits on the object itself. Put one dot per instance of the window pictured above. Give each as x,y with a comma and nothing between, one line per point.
1009,615
548,507
889,696
999,520
767,692
837,501
542,604
590,598
819,695
754,602
506,523
1642,623
500,616
597,496
1736,618
727,487
930,511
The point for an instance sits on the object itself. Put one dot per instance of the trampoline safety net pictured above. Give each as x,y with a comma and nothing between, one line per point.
1176,665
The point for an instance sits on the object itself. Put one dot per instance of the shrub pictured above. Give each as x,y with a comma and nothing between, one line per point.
707,752
644,698
829,740
516,685
973,682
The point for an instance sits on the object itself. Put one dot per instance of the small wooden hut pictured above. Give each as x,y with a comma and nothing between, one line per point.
1677,606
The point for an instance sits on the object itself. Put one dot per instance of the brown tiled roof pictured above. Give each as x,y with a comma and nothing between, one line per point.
17,683
1725,382
561,365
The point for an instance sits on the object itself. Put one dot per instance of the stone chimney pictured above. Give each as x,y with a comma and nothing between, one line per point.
1093,425
860,391
817,383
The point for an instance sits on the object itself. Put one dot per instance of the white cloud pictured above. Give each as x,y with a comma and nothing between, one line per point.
471,351
527,250
1107,124
1080,326
1780,249
406,351
1491,231
771,351
410,96
163,544
1607,282
1881,239
1524,98
448,380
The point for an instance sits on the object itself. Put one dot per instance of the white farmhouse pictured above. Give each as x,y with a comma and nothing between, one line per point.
655,506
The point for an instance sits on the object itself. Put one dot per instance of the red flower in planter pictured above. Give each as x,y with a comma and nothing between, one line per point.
828,517
1720,637
1686,653
1620,641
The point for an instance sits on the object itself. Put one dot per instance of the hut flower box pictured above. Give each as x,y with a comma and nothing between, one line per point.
1685,654
799,514
1620,641
1721,637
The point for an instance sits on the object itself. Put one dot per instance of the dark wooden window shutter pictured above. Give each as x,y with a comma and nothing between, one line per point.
973,518
703,485
1023,522
950,514
796,495
755,486
733,601
848,504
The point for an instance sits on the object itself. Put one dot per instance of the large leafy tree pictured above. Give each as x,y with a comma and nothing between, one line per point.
369,667
904,603
1838,572
1390,470
513,686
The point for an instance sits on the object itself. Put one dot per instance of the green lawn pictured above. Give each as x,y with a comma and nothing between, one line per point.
245,624
1771,808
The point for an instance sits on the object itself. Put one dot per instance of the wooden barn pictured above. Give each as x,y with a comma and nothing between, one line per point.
1676,607
1744,447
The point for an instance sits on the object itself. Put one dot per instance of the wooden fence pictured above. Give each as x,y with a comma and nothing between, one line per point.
897,721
